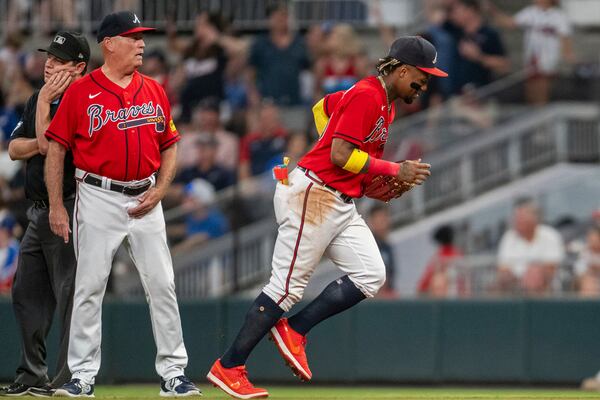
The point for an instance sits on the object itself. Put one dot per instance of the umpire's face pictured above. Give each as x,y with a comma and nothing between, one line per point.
55,65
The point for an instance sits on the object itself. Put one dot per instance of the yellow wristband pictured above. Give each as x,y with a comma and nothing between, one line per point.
356,161
321,119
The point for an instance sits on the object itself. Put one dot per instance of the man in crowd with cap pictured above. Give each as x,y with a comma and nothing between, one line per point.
117,124
316,215
45,274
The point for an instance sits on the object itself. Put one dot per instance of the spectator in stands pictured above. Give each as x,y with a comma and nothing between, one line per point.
481,52
203,220
437,14
276,61
206,166
379,221
265,146
297,145
529,253
9,251
202,72
9,57
8,121
57,13
33,69
440,277
342,63
156,67
470,112
547,43
587,266
206,120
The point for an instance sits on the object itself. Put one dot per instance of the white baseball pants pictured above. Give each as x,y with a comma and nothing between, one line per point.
100,225
314,221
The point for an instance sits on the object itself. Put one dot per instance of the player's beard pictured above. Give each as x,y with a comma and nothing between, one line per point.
408,99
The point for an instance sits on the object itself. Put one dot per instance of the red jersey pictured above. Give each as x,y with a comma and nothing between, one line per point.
113,131
360,116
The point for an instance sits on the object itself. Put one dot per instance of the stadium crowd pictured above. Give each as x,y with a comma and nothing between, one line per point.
242,102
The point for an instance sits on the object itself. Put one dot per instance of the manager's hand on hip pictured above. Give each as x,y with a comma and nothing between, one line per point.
59,222
148,201
414,172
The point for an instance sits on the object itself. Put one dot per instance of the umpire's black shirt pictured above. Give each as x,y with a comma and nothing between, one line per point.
35,187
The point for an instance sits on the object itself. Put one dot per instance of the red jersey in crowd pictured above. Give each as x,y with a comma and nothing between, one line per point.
359,115
112,131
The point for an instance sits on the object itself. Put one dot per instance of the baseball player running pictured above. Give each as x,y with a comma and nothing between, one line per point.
316,215
46,273
117,124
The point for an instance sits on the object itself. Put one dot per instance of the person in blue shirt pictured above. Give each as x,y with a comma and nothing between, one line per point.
276,60
203,220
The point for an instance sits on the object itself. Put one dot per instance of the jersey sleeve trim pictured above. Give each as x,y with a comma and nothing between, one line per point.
347,138
170,142
58,139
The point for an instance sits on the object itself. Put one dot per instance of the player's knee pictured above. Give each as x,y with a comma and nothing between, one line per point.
295,296
284,298
372,281
378,280
161,287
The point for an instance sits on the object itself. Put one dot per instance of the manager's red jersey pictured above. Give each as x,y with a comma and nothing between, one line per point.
360,116
113,131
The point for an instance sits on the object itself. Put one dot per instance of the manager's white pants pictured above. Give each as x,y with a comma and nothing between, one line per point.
100,225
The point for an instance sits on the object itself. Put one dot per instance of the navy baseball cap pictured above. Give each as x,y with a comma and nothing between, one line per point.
120,24
69,46
418,52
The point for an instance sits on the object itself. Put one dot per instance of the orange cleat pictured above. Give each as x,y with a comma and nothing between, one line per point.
234,382
291,346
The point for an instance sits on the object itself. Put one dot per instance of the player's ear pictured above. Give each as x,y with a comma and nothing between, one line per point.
80,68
401,71
108,44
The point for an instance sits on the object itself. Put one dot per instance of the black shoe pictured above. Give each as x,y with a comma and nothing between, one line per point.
44,391
16,389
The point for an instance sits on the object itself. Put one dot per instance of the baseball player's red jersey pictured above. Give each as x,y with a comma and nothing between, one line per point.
113,131
360,116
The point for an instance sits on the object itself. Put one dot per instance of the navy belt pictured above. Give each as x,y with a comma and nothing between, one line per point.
311,175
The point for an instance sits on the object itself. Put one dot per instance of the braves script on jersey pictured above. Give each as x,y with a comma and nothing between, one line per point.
359,115
113,131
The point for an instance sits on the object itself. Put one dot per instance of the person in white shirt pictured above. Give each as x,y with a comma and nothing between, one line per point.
547,42
529,252
587,266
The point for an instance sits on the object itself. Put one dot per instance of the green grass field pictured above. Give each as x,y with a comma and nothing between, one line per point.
304,392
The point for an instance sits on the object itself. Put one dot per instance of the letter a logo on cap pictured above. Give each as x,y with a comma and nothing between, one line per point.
435,58
136,20
59,39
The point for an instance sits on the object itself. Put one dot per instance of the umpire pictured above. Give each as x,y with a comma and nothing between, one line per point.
45,275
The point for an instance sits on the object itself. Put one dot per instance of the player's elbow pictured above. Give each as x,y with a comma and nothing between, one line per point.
43,147
338,158
12,151
55,150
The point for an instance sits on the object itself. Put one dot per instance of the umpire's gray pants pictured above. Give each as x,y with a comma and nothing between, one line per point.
43,284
